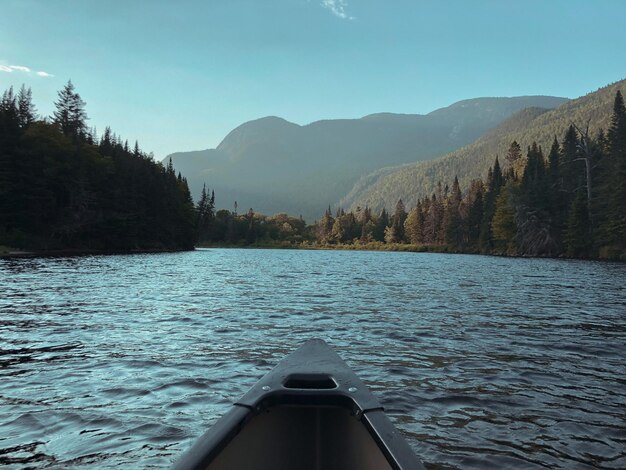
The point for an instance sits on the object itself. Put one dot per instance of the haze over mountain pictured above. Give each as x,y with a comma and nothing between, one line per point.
272,165
384,187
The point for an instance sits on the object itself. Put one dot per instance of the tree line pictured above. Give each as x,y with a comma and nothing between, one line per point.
62,187
571,203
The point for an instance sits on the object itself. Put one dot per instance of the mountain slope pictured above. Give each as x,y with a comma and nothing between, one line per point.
410,182
273,165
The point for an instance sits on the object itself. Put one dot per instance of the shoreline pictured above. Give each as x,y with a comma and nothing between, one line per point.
69,252
396,247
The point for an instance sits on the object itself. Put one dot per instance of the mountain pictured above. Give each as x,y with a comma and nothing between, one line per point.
384,187
273,165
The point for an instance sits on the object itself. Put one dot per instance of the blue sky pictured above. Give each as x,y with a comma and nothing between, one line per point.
180,75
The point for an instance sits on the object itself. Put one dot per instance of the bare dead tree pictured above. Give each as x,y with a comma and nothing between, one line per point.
586,153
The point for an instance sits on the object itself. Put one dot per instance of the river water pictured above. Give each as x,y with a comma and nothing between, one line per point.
122,361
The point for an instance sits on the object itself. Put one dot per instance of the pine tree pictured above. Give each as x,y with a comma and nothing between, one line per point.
25,108
494,184
107,141
452,217
9,121
474,217
503,224
535,184
514,157
554,163
572,170
535,226
325,226
201,216
397,221
613,190
11,166
433,221
70,113
557,202
578,234
367,231
382,222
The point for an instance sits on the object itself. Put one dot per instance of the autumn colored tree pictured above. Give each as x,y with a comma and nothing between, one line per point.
414,225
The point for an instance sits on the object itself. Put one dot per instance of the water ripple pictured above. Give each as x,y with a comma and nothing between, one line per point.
109,361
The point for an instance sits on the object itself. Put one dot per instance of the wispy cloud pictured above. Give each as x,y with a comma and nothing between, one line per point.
23,69
338,8
19,68
13,68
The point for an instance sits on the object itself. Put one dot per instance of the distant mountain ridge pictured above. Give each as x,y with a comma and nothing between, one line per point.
384,187
273,165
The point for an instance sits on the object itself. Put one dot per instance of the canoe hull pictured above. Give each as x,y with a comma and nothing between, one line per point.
310,412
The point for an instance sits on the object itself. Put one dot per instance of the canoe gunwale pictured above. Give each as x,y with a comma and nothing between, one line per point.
316,360
312,364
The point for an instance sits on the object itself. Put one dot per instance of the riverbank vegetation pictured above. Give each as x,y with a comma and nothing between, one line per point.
62,187
570,202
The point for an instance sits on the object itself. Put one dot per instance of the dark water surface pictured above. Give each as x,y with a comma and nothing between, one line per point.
122,361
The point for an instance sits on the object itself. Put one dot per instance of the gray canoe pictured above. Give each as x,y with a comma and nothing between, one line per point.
310,412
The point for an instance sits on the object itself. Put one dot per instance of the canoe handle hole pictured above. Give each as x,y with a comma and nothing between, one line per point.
310,381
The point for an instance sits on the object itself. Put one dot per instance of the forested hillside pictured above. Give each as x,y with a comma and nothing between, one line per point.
62,188
412,182
569,201
273,165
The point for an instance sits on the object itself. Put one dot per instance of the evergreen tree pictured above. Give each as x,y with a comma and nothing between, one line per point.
107,141
26,111
70,113
553,165
367,231
205,216
497,179
572,169
433,221
397,221
12,168
535,226
475,205
557,204
452,218
58,191
514,157
503,225
613,191
494,184
381,224
578,234
353,227
325,226
9,122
